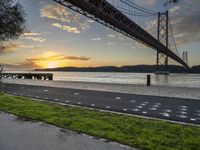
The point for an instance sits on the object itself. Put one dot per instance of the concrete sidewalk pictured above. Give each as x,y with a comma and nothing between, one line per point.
19,134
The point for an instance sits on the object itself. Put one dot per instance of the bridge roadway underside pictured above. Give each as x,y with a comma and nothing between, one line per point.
104,13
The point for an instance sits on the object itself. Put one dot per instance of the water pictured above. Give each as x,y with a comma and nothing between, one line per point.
180,80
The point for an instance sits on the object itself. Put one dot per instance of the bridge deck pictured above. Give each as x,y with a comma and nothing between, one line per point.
106,14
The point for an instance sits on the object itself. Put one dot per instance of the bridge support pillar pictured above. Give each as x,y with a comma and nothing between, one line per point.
162,36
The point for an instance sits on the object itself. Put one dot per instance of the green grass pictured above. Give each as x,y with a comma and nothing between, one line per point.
132,131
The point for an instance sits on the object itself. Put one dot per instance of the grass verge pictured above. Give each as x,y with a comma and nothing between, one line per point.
132,131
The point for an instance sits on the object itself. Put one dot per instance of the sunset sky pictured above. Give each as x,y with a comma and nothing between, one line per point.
56,37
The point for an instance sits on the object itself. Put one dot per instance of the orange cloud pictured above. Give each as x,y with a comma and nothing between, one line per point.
31,33
52,60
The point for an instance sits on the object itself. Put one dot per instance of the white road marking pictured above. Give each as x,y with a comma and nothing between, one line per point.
108,107
46,98
146,102
143,104
46,90
181,116
183,112
135,109
67,101
133,101
21,87
144,112
79,103
76,93
124,109
183,107
37,97
56,100
139,107
165,114
167,110
193,119
118,98
153,109
157,106
92,105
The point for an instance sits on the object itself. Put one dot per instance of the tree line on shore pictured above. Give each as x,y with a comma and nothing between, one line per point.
137,68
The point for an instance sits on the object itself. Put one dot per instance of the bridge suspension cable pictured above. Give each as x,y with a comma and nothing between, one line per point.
129,19
174,46
138,7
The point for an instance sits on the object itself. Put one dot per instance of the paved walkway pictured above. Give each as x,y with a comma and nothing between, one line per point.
168,91
173,109
18,134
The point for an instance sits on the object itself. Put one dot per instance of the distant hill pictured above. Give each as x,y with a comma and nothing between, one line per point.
137,69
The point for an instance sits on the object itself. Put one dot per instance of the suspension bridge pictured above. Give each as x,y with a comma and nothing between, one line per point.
146,26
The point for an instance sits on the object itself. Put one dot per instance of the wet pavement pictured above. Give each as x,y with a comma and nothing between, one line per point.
20,134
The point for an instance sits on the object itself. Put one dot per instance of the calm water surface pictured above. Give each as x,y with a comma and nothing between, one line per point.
182,80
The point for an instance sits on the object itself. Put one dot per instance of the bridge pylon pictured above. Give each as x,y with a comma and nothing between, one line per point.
163,37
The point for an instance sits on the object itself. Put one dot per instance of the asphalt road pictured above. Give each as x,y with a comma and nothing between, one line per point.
173,109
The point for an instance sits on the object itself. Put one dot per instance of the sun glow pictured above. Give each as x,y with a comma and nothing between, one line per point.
50,60
52,64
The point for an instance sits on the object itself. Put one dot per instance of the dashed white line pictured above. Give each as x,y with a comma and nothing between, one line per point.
46,98
46,90
124,109
143,104
183,107
107,107
193,119
76,93
167,110
135,109
183,112
139,107
56,99
67,101
92,105
118,98
181,116
144,112
133,101
157,106
165,114
79,103
153,109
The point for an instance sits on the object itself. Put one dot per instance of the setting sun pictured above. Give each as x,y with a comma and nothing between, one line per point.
50,59
52,64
